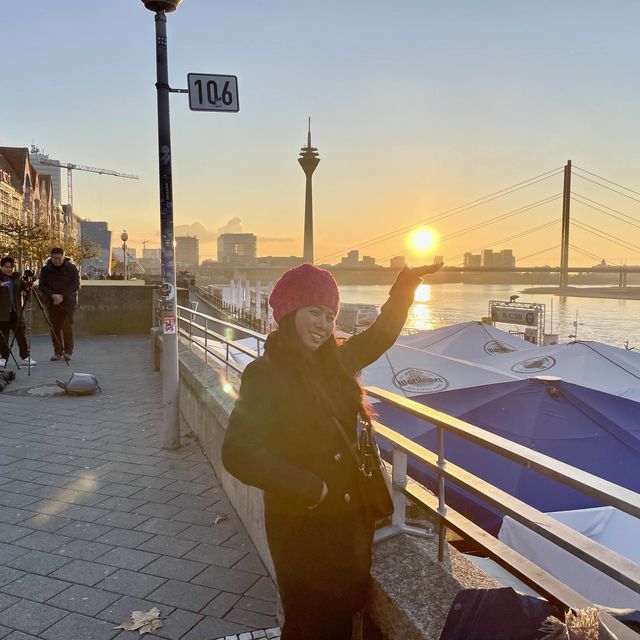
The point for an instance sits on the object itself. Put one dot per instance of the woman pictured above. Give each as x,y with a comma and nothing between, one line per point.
283,438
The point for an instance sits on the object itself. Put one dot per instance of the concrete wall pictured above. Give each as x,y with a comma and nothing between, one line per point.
411,592
109,308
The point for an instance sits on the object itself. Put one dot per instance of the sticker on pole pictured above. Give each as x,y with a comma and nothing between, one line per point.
212,92
169,324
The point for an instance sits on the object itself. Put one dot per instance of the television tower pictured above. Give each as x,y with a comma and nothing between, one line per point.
308,161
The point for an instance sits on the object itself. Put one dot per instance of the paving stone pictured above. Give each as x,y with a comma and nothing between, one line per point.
264,589
82,599
267,607
79,626
152,482
226,579
183,595
123,520
160,496
209,535
124,538
252,563
45,522
193,488
35,587
11,515
31,617
168,546
215,554
125,558
11,533
121,609
177,624
84,550
120,477
213,628
130,583
9,552
83,572
158,510
6,600
196,516
175,568
122,490
163,526
4,631
117,503
84,530
86,514
43,541
18,635
39,562
239,540
250,618
16,500
221,605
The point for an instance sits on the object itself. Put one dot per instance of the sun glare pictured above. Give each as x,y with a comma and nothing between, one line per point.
423,239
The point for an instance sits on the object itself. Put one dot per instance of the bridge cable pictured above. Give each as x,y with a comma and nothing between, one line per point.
606,236
604,186
606,180
531,255
636,220
450,212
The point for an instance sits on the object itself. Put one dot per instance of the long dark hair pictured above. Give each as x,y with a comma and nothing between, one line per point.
321,372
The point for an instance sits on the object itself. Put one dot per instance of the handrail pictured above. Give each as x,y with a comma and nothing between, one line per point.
594,486
250,332
609,562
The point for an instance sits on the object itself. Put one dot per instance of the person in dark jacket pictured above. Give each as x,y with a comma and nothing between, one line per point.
11,312
282,437
60,281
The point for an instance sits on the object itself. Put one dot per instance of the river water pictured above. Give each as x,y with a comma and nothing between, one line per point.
605,320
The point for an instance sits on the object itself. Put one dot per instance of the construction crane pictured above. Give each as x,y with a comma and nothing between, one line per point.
70,167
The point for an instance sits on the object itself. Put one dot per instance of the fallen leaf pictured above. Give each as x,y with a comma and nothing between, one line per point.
221,517
141,620
152,626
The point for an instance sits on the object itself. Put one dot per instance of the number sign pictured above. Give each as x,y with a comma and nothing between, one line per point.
212,93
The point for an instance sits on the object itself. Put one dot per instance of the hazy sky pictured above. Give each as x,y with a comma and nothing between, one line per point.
417,107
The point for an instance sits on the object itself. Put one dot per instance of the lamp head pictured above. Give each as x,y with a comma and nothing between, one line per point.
161,5
513,298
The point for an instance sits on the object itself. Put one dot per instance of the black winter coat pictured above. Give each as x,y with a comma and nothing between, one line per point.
64,280
5,299
279,441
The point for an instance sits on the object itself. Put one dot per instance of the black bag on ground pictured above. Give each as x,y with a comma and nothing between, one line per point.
496,614
5,378
80,384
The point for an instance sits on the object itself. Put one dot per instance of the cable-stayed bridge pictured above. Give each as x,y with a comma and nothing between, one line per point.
564,220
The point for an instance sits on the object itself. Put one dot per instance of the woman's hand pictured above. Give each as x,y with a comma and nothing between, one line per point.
424,270
323,495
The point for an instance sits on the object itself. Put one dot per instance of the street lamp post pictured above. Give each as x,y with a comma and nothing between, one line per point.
171,425
124,236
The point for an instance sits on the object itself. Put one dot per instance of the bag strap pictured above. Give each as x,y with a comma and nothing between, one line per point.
352,449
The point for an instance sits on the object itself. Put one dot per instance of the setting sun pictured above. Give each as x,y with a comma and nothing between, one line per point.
423,239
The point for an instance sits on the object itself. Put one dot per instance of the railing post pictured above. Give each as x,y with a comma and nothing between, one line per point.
206,335
190,331
399,482
442,506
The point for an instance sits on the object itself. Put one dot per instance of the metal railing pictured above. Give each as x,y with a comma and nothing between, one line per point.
195,327
610,563
205,333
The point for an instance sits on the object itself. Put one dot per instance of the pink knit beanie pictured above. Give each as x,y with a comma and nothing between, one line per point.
303,286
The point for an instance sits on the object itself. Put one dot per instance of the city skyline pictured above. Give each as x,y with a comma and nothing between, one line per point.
417,110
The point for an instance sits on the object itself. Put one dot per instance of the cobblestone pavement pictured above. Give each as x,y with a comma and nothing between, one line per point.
97,521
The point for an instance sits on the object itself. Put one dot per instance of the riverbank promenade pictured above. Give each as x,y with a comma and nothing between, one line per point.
97,521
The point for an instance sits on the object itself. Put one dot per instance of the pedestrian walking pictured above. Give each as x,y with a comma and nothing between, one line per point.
60,281
286,436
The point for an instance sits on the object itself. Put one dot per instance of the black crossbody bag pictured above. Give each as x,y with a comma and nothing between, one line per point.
373,477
